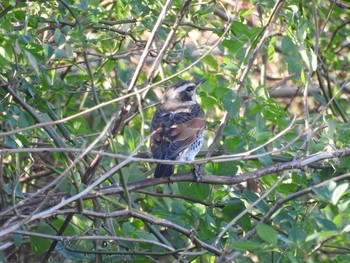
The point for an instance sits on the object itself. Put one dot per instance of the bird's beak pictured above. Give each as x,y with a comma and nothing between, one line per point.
198,83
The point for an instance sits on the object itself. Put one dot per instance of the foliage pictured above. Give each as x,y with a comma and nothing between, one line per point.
78,88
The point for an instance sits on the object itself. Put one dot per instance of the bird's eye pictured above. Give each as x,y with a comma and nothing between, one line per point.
190,88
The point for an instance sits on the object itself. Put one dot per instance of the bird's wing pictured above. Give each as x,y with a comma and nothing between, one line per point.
184,134
174,131
161,123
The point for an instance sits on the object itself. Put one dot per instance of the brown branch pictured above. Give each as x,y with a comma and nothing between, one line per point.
214,179
95,237
193,200
145,217
297,164
340,4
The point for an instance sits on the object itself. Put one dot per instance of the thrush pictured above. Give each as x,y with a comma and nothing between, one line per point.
177,127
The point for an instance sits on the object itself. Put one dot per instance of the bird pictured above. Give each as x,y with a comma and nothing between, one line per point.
177,127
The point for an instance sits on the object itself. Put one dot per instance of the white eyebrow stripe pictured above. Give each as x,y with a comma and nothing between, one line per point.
185,86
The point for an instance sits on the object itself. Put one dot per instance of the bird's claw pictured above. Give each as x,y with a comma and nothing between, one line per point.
197,170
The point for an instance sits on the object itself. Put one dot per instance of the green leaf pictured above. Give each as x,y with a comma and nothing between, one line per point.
194,190
326,224
271,51
245,12
346,228
211,62
242,31
232,104
338,192
287,188
71,255
288,46
208,102
326,192
251,197
233,209
57,36
266,160
219,194
69,230
232,45
40,245
31,60
303,77
83,5
132,137
248,245
291,55
17,239
297,235
267,233
48,51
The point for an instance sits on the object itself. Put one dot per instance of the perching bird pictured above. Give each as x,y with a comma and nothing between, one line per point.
178,127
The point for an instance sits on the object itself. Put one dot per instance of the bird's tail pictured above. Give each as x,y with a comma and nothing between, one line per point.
163,170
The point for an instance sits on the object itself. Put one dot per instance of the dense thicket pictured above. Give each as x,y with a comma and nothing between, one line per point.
79,83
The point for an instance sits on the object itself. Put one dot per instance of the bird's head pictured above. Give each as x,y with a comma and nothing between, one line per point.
183,91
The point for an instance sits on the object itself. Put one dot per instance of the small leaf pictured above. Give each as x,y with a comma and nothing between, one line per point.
17,239
69,255
325,193
338,192
267,233
32,61
233,209
251,197
40,245
219,194
48,51
232,104
297,235
211,62
287,45
287,188
303,78
346,228
245,12
232,45
243,246
58,37
271,51
326,224
194,190
266,160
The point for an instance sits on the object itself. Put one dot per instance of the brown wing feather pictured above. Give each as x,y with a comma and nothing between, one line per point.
175,134
184,135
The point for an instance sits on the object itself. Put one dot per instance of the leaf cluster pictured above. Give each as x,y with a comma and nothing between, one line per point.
79,84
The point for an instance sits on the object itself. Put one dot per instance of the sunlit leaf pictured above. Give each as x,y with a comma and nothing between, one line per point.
267,233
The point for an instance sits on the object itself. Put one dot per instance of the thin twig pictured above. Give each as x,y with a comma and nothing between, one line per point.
8,229
62,238
138,91
279,204
245,211
268,30
168,40
56,181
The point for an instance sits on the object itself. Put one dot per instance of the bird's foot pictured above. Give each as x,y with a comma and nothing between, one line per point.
170,180
197,170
